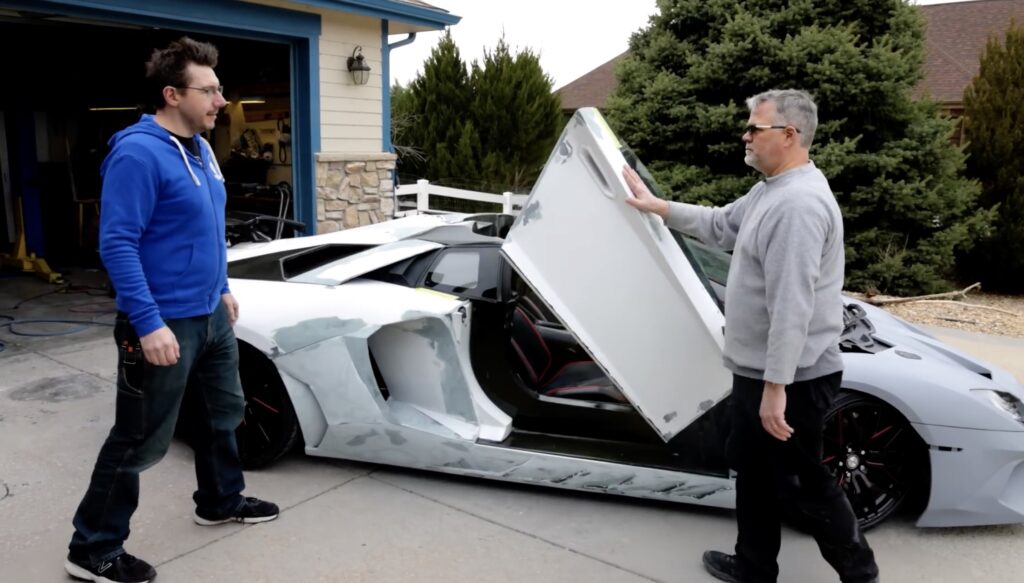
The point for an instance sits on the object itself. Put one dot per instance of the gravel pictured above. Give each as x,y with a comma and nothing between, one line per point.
974,313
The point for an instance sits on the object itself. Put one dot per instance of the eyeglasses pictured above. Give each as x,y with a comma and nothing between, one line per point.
753,129
207,91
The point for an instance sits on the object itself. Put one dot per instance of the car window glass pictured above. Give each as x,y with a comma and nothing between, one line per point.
456,270
711,265
715,263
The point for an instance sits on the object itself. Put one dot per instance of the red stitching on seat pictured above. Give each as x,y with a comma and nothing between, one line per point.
570,388
534,308
539,338
612,394
526,361
568,364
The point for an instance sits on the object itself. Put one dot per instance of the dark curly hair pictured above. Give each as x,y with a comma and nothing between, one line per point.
167,67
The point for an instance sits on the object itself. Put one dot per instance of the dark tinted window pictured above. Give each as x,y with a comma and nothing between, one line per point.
458,270
711,265
284,265
466,271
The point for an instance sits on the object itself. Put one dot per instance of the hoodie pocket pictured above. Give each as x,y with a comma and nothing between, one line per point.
191,283
189,262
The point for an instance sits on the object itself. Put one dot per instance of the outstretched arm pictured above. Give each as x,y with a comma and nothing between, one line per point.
718,226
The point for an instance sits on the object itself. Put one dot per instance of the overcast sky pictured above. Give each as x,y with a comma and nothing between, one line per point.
572,37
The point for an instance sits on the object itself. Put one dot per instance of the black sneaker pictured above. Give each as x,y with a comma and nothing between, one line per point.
253,510
722,566
123,568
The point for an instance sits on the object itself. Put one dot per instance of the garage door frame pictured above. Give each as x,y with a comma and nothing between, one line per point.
299,30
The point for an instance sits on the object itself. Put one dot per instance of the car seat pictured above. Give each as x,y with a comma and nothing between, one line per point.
581,379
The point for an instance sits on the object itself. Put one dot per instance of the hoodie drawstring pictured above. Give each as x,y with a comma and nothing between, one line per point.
184,158
213,160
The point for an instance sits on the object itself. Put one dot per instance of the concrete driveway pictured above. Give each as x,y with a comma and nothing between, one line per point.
354,522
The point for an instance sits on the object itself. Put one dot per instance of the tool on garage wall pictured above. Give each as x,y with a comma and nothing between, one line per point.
284,141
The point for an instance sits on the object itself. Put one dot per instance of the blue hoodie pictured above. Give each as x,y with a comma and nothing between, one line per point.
162,226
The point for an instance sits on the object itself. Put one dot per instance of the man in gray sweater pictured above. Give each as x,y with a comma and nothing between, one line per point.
783,318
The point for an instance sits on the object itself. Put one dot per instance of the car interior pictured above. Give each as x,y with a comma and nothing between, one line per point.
532,367
550,358
544,354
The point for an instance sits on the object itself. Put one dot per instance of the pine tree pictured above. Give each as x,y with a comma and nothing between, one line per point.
491,130
680,104
517,118
436,106
994,128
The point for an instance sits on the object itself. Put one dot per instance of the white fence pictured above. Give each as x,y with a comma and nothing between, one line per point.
423,190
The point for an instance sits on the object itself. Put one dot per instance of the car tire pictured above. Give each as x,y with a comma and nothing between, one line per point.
269,428
895,467
876,457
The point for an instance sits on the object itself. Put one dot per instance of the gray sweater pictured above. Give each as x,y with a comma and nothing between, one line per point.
783,308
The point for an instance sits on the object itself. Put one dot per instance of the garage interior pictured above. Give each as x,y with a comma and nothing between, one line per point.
72,83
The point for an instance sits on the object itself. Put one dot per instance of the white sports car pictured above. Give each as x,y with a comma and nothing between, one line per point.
580,347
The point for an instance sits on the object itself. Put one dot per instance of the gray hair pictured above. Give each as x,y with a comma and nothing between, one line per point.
792,107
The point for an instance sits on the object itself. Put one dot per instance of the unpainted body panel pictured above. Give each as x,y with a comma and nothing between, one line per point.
325,353
619,281
627,292
377,234
977,476
342,270
927,381
407,446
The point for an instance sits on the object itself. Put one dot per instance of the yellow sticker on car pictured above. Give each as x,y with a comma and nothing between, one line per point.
608,131
439,294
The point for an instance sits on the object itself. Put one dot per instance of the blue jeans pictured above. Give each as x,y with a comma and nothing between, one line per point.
148,401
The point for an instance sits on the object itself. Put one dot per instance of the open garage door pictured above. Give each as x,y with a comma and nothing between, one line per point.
87,82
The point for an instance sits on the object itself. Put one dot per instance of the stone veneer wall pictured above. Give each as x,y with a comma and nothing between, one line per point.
353,190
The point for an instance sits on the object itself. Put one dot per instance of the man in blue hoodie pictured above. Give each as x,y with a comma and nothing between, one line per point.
162,242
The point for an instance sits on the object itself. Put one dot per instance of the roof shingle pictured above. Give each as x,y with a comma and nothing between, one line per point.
592,89
955,37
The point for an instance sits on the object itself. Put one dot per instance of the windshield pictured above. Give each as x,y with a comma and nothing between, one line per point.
712,265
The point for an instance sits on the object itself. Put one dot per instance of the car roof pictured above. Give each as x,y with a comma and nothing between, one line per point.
455,235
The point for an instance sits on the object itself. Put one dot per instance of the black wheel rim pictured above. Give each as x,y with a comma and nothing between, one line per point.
265,424
869,449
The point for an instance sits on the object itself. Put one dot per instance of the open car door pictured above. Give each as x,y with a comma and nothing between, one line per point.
619,280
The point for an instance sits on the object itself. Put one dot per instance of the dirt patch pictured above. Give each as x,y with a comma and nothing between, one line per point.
978,312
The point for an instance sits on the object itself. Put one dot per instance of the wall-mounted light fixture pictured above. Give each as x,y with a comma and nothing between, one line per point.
358,67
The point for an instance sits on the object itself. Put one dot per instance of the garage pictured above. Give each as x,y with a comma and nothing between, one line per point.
81,72
75,76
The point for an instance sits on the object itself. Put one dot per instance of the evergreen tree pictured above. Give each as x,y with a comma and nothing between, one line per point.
436,106
994,128
680,104
491,130
517,118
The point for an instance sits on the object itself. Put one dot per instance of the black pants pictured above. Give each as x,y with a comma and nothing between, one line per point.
768,469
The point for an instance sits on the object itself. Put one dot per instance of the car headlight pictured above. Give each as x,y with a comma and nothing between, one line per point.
1005,402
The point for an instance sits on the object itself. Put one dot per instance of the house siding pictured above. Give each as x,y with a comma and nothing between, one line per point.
353,122
351,119
353,174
